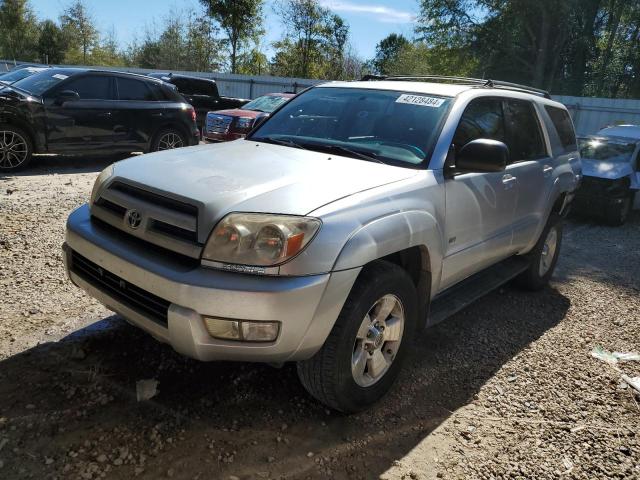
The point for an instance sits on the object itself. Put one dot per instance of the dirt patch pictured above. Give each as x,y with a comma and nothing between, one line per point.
505,389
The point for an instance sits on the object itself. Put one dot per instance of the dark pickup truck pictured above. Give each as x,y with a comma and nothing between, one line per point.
201,93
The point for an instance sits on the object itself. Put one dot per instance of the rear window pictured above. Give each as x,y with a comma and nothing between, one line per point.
562,122
133,89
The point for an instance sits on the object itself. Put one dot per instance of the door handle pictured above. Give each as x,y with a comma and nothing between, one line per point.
157,114
104,114
508,181
547,169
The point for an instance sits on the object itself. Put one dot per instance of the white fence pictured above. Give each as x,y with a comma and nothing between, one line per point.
589,114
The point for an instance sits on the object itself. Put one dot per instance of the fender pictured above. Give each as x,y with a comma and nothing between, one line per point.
393,233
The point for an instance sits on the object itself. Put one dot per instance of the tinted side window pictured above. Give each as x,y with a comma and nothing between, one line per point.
158,92
562,121
483,118
133,89
90,87
524,137
183,85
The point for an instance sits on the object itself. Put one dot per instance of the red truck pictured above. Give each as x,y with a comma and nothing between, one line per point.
225,125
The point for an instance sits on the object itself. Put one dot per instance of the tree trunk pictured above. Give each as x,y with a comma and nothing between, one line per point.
540,66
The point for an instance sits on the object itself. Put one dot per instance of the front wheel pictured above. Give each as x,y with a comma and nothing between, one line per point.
363,354
543,257
168,139
16,148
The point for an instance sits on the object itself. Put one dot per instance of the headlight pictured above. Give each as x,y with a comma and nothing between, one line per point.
244,123
259,239
103,177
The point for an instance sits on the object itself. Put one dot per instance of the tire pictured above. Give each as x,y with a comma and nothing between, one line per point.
16,148
168,139
544,256
617,215
328,375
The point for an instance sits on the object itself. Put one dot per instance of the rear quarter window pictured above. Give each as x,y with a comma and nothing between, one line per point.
563,125
134,89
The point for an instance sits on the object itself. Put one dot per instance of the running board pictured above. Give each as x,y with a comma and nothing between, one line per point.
468,291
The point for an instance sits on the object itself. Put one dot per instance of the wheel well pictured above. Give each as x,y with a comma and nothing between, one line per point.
559,203
417,263
26,128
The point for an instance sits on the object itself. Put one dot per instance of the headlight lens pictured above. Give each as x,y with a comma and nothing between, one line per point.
259,239
103,177
244,123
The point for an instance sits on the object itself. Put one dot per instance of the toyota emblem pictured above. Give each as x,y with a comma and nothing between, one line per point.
133,218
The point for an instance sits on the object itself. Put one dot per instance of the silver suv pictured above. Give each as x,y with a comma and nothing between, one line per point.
358,214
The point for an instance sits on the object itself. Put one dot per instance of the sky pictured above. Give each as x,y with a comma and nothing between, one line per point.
369,20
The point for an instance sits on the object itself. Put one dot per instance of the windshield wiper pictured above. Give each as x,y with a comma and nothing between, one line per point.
353,153
279,141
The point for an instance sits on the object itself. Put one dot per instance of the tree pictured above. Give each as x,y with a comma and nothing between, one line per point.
387,52
51,43
239,19
18,30
79,30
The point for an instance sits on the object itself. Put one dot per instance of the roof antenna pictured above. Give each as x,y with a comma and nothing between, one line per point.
489,83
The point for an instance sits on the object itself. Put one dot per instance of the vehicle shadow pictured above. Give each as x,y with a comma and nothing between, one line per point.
69,407
65,164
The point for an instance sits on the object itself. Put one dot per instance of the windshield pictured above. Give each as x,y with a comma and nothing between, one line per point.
39,83
16,75
377,125
606,150
266,104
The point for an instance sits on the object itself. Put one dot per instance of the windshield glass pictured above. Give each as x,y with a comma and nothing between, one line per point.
266,104
16,75
606,150
377,125
39,83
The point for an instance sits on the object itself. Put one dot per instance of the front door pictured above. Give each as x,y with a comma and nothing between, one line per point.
480,207
83,124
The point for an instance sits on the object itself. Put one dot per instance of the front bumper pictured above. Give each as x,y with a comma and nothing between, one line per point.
306,307
221,137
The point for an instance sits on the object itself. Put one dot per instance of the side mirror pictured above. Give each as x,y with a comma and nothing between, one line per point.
483,155
66,96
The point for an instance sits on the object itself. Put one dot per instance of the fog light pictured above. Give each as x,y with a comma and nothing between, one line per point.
240,330
260,331
224,329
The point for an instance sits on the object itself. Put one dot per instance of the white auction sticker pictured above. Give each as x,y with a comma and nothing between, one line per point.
59,76
420,100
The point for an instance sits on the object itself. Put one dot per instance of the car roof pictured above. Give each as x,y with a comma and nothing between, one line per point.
170,75
279,94
628,131
443,89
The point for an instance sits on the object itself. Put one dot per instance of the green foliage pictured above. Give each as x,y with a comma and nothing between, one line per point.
239,19
18,30
572,47
387,52
314,43
80,32
51,43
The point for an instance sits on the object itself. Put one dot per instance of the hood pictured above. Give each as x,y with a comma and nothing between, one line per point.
239,112
246,176
604,169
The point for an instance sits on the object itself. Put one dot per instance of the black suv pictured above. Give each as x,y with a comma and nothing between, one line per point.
72,110
202,93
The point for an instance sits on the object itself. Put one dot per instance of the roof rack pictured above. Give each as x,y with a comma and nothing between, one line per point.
463,81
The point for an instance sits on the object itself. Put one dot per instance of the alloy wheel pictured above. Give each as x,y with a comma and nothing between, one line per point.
170,140
13,149
377,341
548,251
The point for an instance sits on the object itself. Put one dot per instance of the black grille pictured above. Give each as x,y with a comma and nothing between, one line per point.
136,298
155,199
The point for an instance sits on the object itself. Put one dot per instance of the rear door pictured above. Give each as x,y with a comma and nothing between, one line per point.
141,111
479,206
84,124
531,165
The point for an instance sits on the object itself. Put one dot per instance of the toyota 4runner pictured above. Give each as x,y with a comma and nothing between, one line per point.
356,215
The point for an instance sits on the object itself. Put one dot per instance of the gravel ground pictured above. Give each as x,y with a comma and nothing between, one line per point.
505,389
